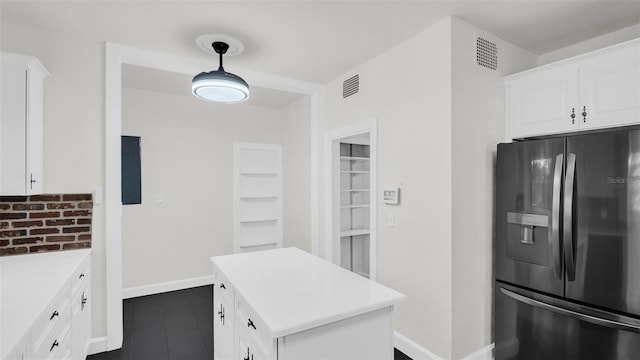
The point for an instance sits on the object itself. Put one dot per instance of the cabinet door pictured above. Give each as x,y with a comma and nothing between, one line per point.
13,130
610,87
223,327
542,102
34,148
21,78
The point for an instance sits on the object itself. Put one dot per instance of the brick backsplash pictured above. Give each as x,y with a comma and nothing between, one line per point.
51,222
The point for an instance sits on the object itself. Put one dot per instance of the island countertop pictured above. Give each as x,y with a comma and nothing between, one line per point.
293,291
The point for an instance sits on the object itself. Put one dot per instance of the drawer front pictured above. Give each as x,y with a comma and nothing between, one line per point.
248,350
56,342
223,287
249,323
80,277
57,310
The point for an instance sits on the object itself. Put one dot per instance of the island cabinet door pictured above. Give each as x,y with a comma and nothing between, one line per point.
223,324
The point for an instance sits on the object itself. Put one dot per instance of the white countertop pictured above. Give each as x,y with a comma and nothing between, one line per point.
292,290
27,285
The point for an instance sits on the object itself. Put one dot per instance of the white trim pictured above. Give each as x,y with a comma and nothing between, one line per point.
115,56
331,203
315,167
112,194
485,353
159,288
412,349
97,345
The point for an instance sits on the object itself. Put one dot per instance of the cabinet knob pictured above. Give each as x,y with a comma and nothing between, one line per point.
573,115
55,343
584,114
251,324
55,313
81,276
222,286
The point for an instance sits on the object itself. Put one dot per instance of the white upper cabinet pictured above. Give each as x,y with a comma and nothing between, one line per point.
610,87
591,91
21,127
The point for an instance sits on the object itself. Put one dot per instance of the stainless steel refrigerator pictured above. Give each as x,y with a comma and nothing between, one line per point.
567,251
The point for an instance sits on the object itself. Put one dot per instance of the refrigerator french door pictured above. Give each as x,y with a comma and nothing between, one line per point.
568,248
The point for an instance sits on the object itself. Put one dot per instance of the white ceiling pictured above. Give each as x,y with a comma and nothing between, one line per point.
317,40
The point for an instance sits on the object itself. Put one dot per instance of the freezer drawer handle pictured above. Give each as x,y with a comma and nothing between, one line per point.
573,314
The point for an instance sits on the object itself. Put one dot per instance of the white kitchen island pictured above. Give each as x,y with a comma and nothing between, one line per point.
289,304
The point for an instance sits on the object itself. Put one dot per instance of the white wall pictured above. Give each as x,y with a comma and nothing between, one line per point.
187,156
296,155
407,90
440,117
477,127
615,37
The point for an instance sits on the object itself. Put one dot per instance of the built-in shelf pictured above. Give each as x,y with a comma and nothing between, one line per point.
354,158
354,232
258,174
258,197
354,206
258,220
355,196
256,245
354,172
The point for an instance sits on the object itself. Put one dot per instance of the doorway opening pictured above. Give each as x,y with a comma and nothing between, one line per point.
351,191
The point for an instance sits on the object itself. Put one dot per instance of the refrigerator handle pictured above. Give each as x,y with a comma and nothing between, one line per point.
555,216
580,313
567,225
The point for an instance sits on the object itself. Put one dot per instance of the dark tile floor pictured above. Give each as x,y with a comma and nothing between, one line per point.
177,325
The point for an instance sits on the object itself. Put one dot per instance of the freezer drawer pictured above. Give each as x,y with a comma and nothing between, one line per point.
529,325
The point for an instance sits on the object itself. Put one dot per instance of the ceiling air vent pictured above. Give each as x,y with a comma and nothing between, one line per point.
486,53
351,86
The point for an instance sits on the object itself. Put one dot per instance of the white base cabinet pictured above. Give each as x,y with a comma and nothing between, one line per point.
21,125
45,306
592,91
288,304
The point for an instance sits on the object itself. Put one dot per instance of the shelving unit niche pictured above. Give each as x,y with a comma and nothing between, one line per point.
257,196
355,208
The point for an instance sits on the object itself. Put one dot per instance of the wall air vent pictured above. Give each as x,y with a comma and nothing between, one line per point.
486,53
351,86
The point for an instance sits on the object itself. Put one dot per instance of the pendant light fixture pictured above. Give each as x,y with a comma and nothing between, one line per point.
219,85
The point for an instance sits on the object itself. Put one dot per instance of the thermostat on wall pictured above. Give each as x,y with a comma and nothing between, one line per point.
391,196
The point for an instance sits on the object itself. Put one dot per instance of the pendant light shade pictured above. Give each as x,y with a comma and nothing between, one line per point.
219,85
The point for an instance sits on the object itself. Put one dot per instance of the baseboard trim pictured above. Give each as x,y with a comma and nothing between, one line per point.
97,345
166,287
485,353
412,349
